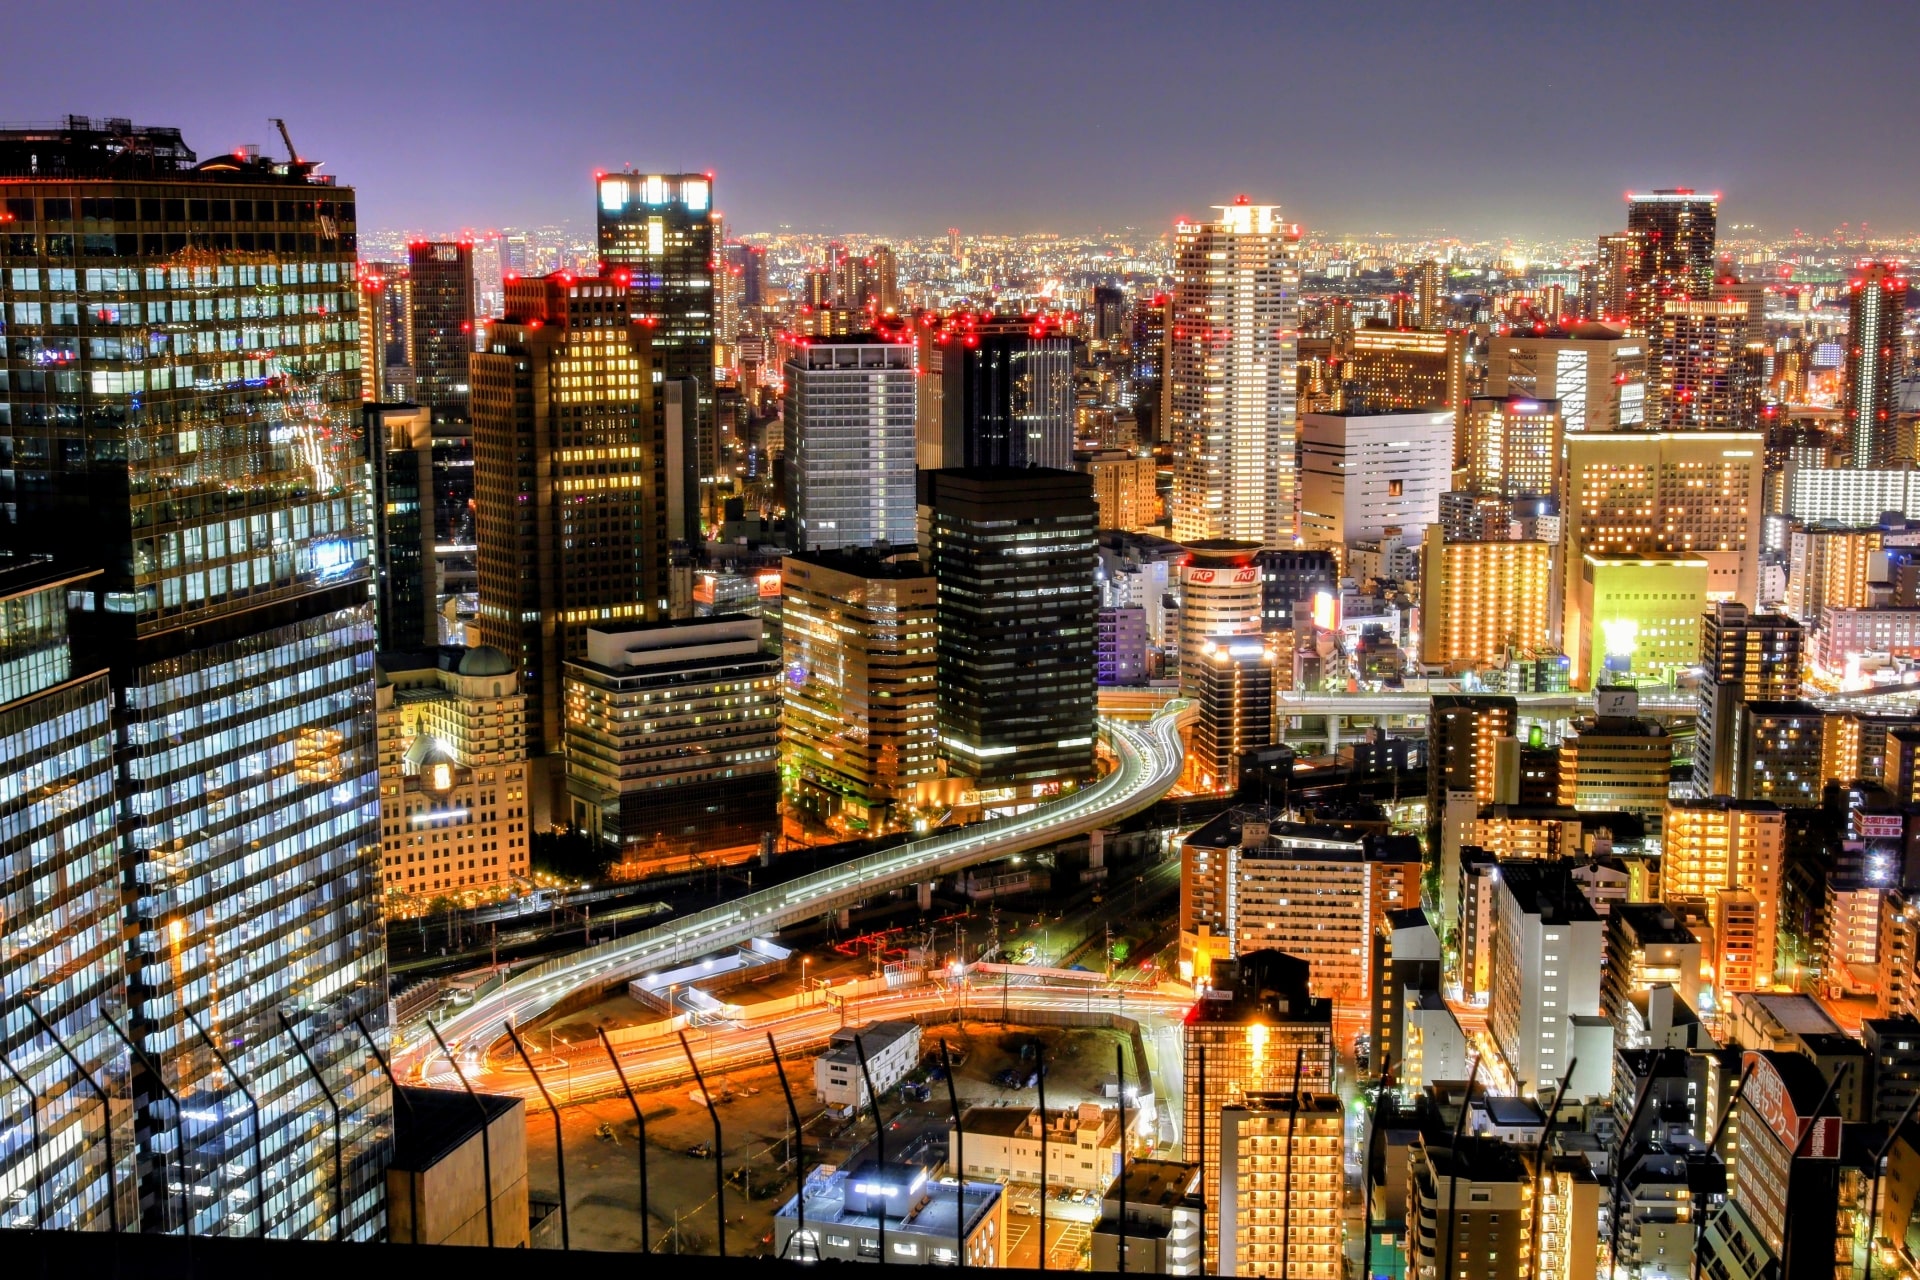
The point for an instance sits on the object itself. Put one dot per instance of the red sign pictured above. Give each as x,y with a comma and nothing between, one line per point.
1880,826
1200,575
1766,1093
1247,575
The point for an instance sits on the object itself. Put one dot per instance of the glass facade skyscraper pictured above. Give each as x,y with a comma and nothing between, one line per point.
181,412
851,443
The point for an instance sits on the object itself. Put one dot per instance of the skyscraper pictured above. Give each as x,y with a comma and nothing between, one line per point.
571,481
1514,446
1007,394
440,319
206,465
850,443
1674,231
1013,553
1232,340
1429,293
61,952
859,731
1614,268
1698,375
1876,362
400,449
1596,372
659,230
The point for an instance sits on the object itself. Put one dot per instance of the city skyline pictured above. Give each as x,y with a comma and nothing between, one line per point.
1330,124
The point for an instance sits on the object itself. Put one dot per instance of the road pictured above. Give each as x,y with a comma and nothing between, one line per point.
1147,759
581,1071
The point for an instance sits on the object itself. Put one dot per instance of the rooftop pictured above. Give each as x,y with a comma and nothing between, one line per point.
431,1124
912,1203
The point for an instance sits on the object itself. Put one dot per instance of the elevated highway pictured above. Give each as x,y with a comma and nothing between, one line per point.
1147,761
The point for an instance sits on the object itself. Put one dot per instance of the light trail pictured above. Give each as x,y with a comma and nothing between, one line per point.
1148,761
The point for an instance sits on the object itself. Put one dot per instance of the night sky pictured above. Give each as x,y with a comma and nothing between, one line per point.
1483,120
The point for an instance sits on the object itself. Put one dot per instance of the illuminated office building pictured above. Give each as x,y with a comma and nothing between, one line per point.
1596,374
1282,1186
1745,657
452,734
1429,293
441,314
1464,732
860,727
441,310
673,736
1234,683
1014,553
658,229
1634,616
1617,762
1514,446
571,482
1249,1030
1484,600
1876,363
1404,370
1673,231
1832,567
1007,394
206,459
63,1155
1232,340
850,443
1698,375
406,575
1661,493
1221,595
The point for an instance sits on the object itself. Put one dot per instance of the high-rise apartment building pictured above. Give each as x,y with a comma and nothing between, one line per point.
1779,752
1232,341
1649,493
1255,1029
1125,489
1429,293
1876,362
673,736
61,947
1007,395
406,574
1616,262
1548,949
571,481
453,774
1282,1179
1832,566
208,467
1514,446
1746,657
1595,372
1673,231
1484,600
1250,882
1013,550
850,443
658,230
860,732
1698,375
1366,476
1728,854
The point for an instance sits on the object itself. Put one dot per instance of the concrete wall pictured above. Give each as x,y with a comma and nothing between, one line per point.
444,1204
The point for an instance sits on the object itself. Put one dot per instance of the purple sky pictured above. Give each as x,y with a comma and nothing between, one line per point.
1487,119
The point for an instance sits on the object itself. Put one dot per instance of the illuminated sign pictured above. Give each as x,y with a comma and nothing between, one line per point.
1247,575
1620,636
1200,575
1767,1094
1880,826
1326,613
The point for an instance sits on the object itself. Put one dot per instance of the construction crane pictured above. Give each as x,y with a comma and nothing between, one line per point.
293,156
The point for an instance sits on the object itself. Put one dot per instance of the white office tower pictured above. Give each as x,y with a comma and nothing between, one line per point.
850,443
1232,343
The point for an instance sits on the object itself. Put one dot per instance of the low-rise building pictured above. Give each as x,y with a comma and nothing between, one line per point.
892,1049
1647,946
850,1212
1083,1146
1161,1220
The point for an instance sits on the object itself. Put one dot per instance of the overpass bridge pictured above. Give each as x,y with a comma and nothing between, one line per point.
1148,758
